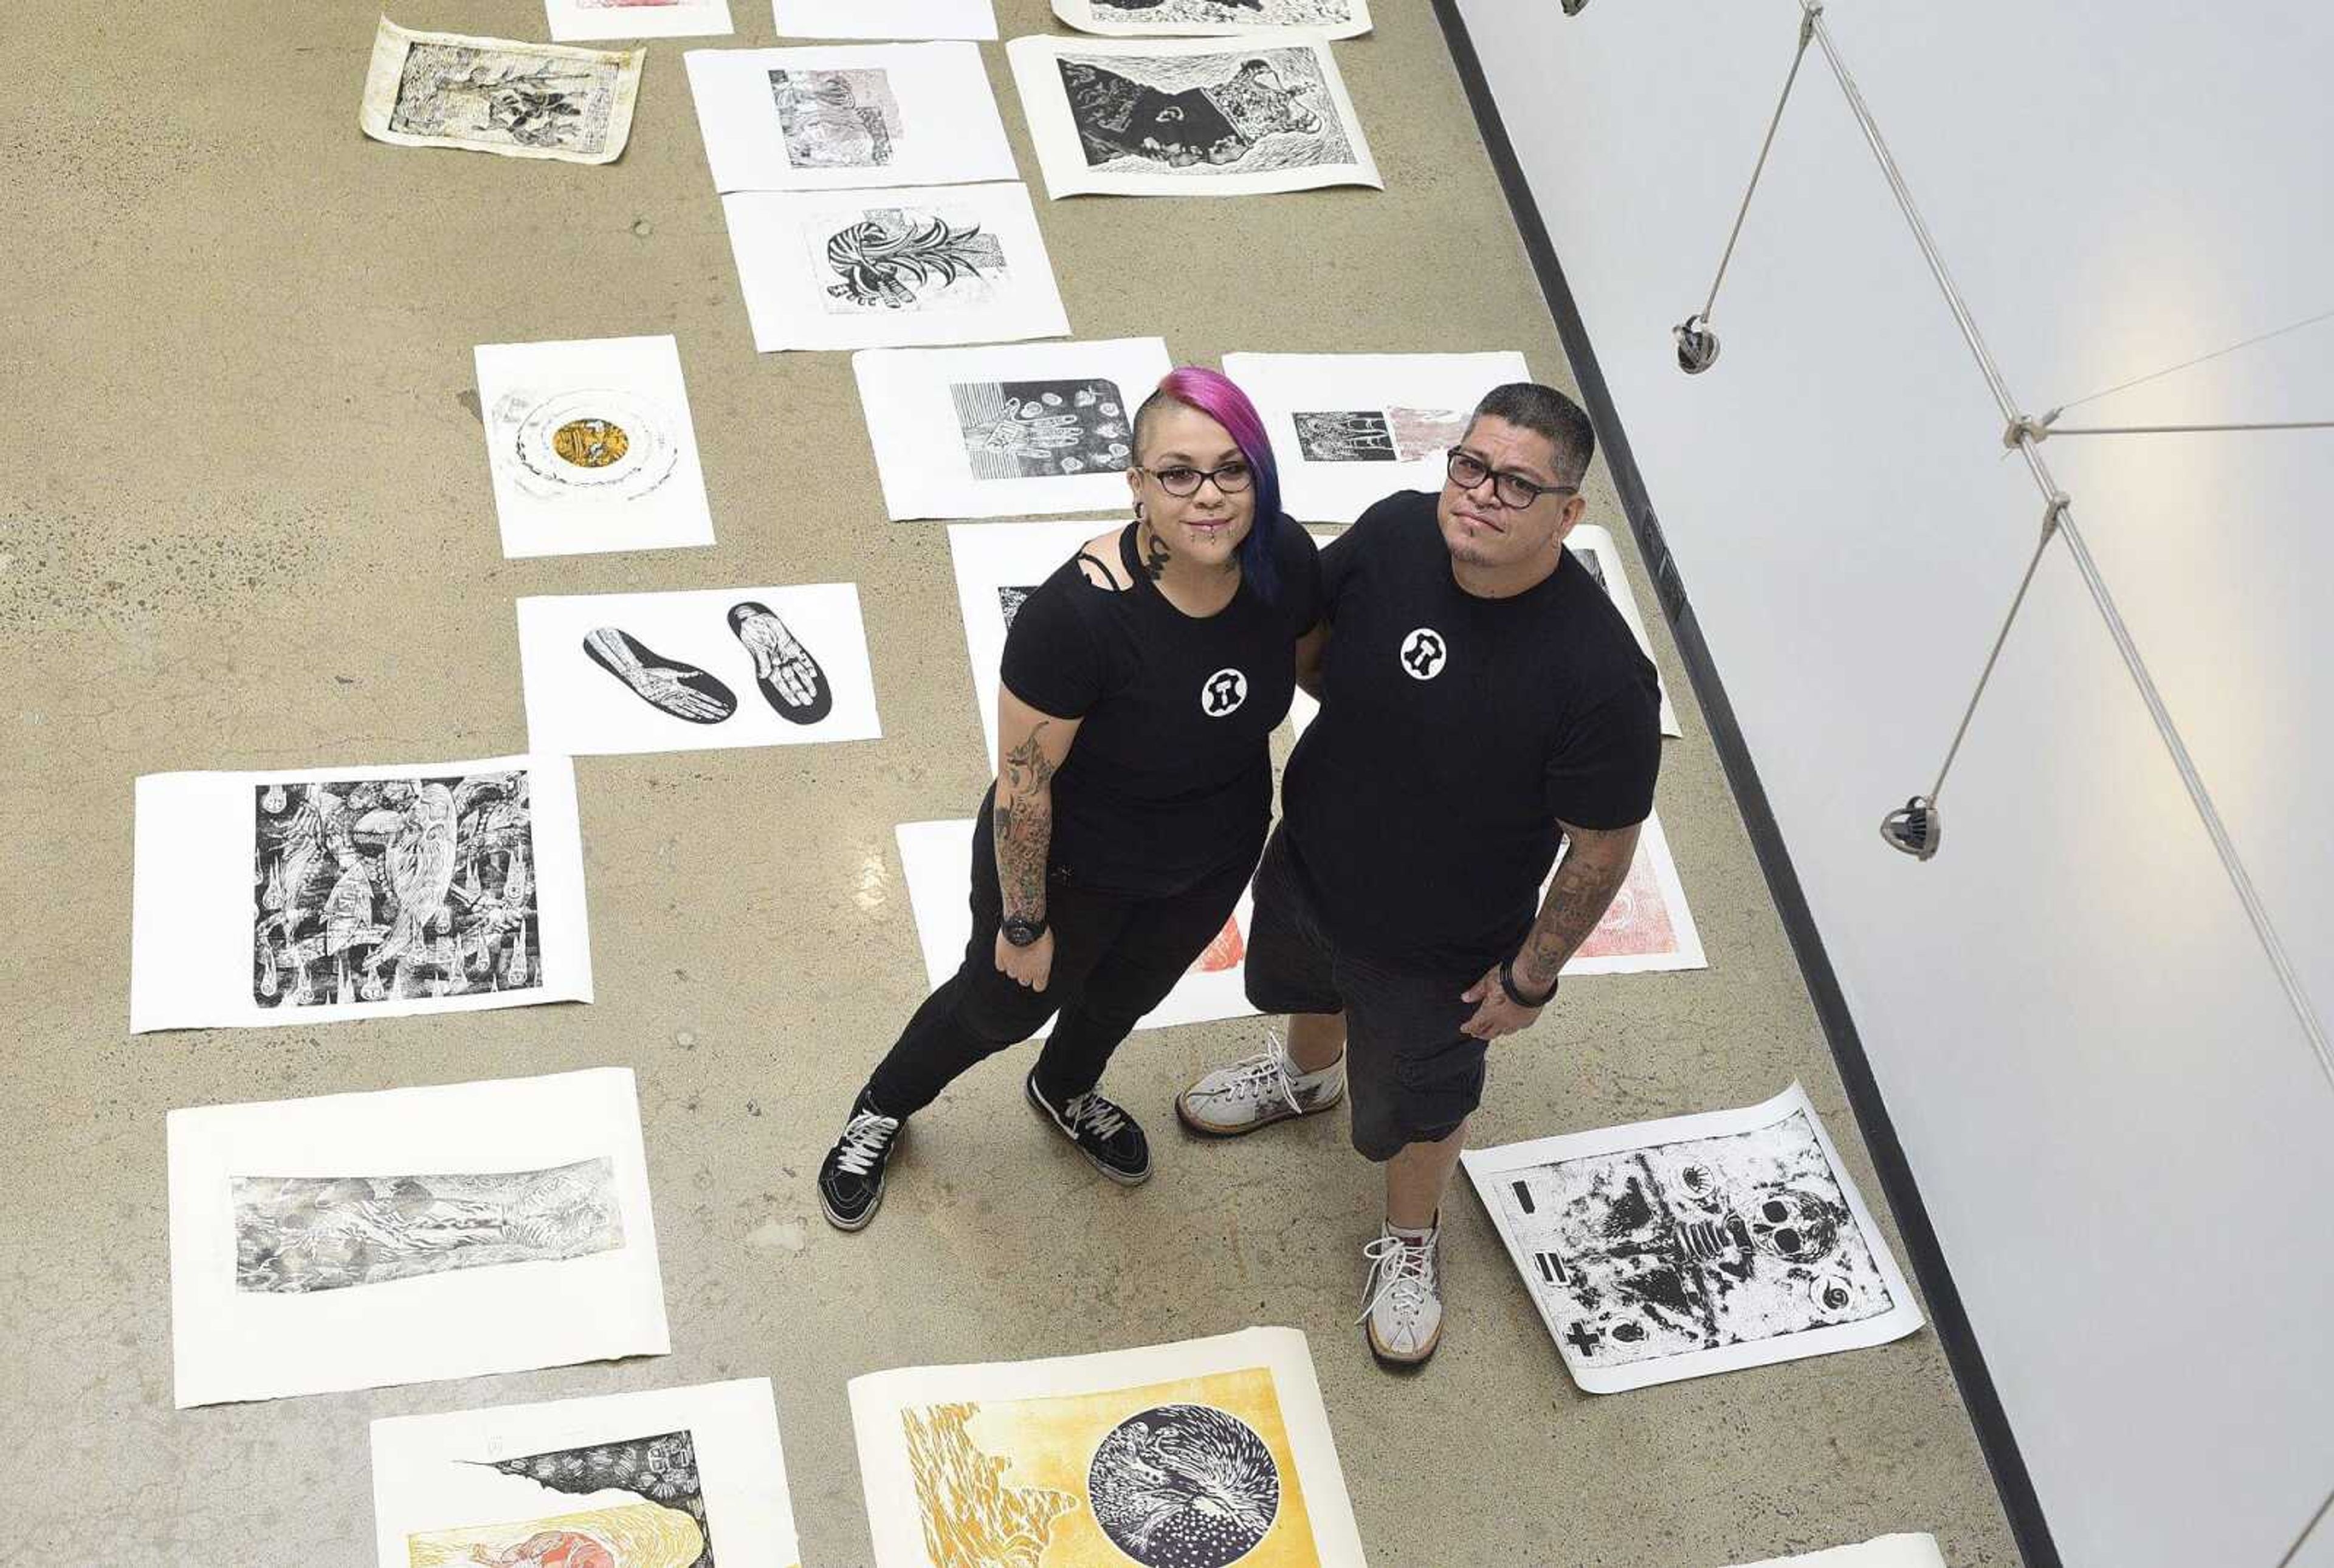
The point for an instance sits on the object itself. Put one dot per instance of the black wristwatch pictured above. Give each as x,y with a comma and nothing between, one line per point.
1021,933
1515,995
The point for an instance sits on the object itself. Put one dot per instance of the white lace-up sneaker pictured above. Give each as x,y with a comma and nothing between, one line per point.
1404,1313
1258,1092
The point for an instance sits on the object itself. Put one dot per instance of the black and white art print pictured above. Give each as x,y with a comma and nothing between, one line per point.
684,1478
964,19
700,670
591,21
499,95
1697,1244
591,447
848,117
320,896
361,1240
1213,18
1013,431
893,268
1195,117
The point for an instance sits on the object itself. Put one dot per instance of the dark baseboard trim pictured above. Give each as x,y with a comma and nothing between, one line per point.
1946,1313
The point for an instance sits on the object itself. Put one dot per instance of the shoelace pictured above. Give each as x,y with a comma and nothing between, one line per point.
1268,1072
865,1140
1090,1112
1404,1271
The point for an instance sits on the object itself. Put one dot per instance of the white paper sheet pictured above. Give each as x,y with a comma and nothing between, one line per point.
1351,429
1694,1244
1887,1552
1016,432
683,1472
974,19
887,268
847,117
937,859
1596,549
577,21
498,95
356,1241
996,563
703,669
314,895
1189,117
591,447
1067,1455
1213,18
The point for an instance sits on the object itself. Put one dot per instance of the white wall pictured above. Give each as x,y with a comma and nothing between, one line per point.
2120,1132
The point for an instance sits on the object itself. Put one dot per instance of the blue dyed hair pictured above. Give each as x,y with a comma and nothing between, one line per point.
1213,393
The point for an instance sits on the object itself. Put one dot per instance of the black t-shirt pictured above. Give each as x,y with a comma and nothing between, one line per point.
1171,775
1455,733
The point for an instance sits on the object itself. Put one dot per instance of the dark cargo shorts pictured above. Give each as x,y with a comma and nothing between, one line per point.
1412,1076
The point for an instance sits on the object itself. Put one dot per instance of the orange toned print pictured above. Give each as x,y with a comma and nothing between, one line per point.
635,1535
1196,1473
591,443
1638,921
1225,952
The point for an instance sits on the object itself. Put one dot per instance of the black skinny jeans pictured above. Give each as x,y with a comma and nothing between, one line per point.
1115,958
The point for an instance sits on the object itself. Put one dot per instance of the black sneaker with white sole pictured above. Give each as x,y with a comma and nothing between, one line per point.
851,1176
1105,1134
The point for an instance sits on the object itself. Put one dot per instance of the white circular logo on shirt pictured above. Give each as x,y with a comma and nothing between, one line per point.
1222,693
1423,654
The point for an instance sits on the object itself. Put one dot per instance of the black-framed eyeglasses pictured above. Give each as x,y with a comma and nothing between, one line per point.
1514,491
1182,480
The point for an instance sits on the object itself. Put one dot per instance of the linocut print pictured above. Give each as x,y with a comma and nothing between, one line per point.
687,1477
1036,429
1205,18
1197,1455
1190,118
848,117
501,96
1702,1244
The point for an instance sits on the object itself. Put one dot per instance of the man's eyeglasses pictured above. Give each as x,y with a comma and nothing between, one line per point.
1514,491
1182,481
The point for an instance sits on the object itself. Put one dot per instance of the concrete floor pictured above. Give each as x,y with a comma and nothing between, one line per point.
246,524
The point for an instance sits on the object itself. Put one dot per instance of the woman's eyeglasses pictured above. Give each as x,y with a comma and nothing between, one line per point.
1183,481
1514,491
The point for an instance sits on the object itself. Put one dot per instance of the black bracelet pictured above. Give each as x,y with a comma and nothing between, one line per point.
1508,984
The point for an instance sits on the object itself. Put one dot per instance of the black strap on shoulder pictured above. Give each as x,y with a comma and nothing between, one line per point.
1108,580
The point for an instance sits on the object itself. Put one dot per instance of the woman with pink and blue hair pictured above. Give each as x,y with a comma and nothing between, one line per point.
1140,685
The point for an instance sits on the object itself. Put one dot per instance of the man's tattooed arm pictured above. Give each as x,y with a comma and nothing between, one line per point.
1594,869
1024,828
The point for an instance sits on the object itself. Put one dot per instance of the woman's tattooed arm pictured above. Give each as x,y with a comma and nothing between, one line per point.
1024,824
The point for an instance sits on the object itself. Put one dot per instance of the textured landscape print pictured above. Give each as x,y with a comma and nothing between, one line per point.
1242,112
1240,12
298,1234
510,97
837,119
897,258
629,1536
371,890
1692,1246
1040,429
1190,1475
661,1471
1377,435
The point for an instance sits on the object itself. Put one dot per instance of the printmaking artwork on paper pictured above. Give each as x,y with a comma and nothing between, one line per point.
601,442
1010,601
624,1536
896,258
375,890
297,1233
1202,18
660,1470
498,95
836,119
579,19
1245,110
1038,429
1694,1244
1377,435
667,685
787,673
1205,1455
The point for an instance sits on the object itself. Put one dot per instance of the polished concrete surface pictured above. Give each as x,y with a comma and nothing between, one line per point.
245,524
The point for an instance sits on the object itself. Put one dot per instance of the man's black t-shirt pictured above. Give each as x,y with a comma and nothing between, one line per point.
1455,733
1171,775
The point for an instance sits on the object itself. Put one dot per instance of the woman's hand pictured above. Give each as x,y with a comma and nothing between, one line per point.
1031,965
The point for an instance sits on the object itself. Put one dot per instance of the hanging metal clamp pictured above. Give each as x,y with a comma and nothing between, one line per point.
1812,10
2025,428
2054,514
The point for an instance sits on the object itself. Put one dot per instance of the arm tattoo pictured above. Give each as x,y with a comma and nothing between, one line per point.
1024,831
1155,554
1592,873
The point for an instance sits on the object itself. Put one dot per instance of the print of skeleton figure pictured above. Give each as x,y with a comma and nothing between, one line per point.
298,1234
1184,1487
1377,436
1038,429
894,258
1694,1245
377,889
1249,111
837,119
790,676
661,1471
667,685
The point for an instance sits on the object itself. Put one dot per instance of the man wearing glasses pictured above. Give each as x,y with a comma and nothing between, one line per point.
1482,704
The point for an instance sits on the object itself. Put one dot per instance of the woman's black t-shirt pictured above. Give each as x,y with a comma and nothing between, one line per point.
1171,775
